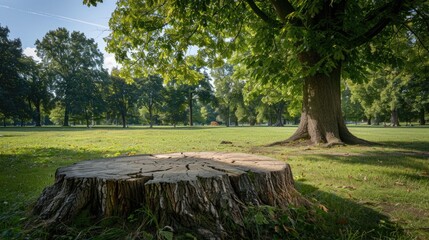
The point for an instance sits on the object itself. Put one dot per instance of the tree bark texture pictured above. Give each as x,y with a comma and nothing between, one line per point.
321,116
201,191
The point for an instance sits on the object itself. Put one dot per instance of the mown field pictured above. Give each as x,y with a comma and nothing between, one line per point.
379,191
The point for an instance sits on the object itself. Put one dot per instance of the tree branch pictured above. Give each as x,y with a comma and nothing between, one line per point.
417,37
375,12
283,8
263,15
388,14
92,2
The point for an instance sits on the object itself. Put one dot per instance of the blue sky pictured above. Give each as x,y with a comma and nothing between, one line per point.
30,20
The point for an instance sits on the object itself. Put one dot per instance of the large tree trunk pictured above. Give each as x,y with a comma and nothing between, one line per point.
321,116
204,191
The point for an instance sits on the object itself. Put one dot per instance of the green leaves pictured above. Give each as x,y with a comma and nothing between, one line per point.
13,89
158,37
76,67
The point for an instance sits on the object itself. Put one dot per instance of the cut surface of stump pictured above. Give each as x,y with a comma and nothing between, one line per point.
194,190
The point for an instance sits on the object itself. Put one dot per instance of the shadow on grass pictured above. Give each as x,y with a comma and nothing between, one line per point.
414,161
23,176
422,146
346,219
28,157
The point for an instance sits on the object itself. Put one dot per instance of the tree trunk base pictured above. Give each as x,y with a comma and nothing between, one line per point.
304,140
200,191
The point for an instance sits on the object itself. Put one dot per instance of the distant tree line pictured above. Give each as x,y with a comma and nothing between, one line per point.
69,86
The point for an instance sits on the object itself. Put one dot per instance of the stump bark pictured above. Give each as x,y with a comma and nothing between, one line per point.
196,190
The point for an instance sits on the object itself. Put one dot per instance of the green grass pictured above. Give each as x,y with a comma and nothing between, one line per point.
366,189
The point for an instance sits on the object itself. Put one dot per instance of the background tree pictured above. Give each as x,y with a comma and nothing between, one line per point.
56,115
252,104
416,93
352,110
393,87
37,82
88,103
121,97
228,92
201,91
368,95
150,94
208,112
174,108
12,86
70,58
275,101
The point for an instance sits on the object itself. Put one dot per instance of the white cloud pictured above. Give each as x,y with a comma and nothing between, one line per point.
31,52
110,62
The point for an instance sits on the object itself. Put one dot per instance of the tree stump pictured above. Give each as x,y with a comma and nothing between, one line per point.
196,190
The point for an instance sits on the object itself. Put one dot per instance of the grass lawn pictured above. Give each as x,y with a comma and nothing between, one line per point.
366,189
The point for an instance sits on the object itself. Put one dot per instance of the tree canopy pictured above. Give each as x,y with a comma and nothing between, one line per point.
161,35
12,86
37,86
75,64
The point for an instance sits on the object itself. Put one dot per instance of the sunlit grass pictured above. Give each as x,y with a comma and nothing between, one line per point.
362,186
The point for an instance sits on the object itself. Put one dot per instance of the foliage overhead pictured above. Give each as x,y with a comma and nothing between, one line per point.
168,37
